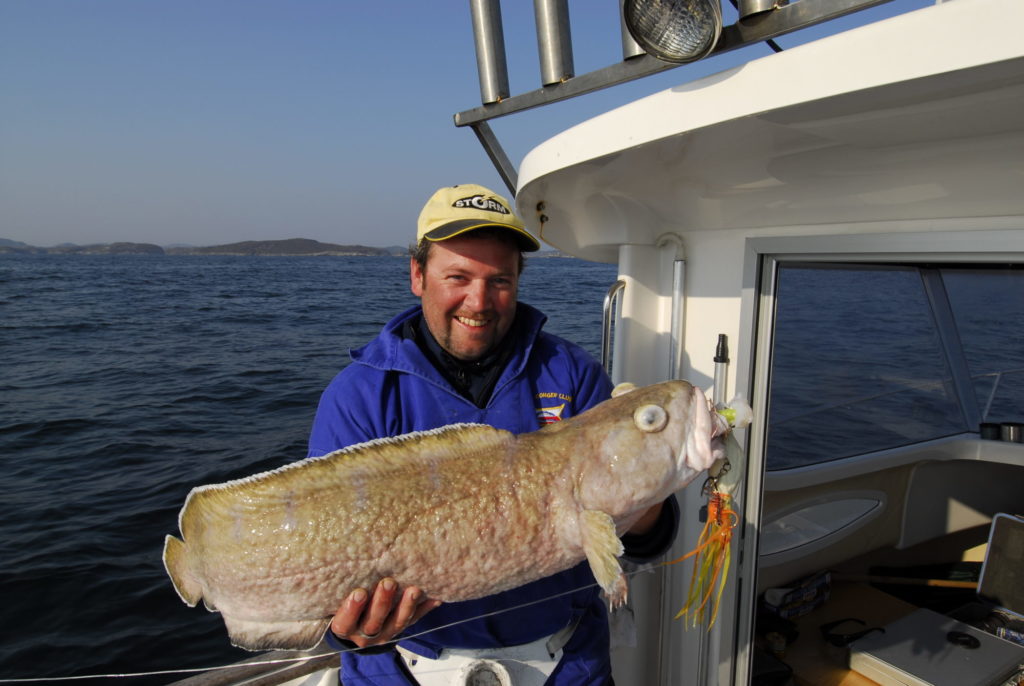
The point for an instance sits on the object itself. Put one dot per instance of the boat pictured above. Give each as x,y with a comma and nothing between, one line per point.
836,232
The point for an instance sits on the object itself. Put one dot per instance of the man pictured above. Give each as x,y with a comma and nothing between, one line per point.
471,353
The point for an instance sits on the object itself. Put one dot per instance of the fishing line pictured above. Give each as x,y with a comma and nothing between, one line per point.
305,658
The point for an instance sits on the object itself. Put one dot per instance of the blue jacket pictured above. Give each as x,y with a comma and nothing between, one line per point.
392,388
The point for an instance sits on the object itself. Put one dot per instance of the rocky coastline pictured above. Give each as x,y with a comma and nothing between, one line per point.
279,248
291,247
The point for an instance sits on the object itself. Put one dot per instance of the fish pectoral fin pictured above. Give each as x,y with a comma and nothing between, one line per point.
602,546
300,634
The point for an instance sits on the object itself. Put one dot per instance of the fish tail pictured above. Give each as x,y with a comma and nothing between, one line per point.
176,564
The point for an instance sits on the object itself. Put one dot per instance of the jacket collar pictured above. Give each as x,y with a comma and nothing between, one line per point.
391,351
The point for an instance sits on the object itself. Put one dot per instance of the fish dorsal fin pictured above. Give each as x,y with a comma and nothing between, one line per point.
414,450
378,456
454,440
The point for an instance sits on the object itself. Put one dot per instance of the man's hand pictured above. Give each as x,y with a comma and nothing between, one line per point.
369,620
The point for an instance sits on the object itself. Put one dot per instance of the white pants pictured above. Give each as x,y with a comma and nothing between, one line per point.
529,664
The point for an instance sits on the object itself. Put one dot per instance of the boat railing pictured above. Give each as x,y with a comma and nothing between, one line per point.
611,301
997,379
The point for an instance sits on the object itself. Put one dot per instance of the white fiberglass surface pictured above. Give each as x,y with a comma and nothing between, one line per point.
873,124
813,522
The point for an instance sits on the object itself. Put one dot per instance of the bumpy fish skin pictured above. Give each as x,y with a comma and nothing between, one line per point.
463,512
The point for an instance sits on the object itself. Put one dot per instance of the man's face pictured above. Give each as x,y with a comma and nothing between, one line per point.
468,290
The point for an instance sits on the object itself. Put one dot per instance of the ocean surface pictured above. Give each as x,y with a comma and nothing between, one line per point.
128,380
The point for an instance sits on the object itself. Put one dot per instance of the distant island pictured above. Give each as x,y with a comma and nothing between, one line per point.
287,247
290,247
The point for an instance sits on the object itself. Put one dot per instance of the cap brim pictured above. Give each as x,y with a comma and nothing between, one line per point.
526,241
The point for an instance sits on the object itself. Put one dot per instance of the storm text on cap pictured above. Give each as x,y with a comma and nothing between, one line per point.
481,202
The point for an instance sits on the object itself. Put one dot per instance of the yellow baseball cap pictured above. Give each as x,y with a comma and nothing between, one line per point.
454,210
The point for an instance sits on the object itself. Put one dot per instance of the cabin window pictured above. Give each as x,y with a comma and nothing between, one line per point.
989,310
865,357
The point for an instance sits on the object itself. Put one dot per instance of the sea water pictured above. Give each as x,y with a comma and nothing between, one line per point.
128,380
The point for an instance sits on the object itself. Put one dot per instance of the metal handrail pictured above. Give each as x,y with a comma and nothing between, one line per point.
610,300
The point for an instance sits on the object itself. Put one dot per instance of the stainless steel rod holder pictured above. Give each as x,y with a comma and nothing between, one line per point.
490,50
554,41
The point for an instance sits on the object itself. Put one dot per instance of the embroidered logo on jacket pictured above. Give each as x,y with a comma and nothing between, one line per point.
548,413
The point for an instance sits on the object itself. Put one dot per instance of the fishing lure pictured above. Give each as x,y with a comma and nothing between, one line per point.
713,554
711,558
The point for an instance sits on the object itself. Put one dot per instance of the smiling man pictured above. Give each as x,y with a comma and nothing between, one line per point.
470,352
469,293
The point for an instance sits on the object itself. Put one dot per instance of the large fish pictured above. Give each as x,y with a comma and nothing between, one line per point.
463,512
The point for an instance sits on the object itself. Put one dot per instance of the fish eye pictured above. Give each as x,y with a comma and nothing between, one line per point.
650,418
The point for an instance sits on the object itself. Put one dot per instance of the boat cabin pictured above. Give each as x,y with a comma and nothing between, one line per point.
848,217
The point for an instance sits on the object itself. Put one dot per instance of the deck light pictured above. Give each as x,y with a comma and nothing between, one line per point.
674,30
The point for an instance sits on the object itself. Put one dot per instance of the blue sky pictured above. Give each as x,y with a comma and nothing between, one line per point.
214,121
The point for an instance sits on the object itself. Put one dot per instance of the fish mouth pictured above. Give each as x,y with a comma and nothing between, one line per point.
703,444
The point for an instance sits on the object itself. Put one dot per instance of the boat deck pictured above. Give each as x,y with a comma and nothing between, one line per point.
860,600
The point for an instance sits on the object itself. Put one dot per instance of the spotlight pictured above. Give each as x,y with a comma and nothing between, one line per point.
674,30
